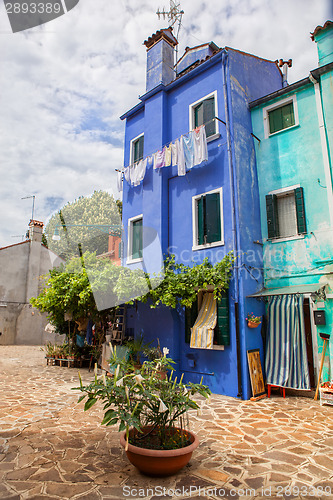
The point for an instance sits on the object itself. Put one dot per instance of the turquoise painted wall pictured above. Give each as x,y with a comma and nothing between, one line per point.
292,157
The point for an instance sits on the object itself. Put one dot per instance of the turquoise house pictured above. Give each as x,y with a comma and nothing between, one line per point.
295,128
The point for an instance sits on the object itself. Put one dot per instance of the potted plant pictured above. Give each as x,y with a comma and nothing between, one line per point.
252,320
135,348
151,413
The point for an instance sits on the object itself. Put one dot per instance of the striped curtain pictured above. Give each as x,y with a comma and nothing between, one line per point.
202,332
286,357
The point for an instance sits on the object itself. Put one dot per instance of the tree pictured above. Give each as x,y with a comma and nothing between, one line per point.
73,221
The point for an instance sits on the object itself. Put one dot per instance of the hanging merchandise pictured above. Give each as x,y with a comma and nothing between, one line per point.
200,145
159,159
188,144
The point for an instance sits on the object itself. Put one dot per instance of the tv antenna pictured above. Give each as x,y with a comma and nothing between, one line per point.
33,204
174,15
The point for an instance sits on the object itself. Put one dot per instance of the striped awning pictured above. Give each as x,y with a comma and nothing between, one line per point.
202,332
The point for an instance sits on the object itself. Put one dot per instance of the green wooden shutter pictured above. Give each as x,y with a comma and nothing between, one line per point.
138,149
272,216
137,239
198,115
201,220
191,314
222,331
213,218
300,210
208,115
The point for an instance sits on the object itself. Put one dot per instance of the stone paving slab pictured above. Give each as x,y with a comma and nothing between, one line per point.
51,449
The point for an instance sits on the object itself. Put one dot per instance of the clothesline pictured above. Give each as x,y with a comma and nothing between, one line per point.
185,152
167,144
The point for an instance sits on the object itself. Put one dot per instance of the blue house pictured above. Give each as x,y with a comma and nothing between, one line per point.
197,209
295,127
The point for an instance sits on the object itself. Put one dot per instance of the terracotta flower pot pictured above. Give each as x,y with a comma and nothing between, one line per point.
159,462
252,324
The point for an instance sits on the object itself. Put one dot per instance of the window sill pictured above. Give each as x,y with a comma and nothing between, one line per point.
289,238
134,261
283,130
208,245
215,348
213,137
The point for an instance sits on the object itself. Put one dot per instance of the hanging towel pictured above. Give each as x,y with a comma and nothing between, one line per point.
174,154
127,175
202,332
167,155
139,172
132,174
159,159
189,150
200,145
150,159
119,181
180,156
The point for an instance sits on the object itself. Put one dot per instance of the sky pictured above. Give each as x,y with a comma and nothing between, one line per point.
64,85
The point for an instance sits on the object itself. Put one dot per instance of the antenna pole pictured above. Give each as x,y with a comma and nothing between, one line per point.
33,204
174,15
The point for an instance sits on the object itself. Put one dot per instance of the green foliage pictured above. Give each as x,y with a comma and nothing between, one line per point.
98,209
136,400
181,282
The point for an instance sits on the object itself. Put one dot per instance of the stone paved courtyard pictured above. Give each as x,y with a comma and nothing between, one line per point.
50,448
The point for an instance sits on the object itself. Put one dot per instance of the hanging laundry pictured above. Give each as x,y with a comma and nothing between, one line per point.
167,155
200,145
180,156
140,172
189,150
127,175
174,154
159,159
150,159
119,181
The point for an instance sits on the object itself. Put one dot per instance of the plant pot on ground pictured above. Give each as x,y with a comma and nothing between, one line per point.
139,400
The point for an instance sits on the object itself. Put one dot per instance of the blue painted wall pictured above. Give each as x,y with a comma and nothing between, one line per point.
166,203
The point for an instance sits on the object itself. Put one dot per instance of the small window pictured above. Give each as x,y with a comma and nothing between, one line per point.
135,239
207,219
203,112
222,330
286,213
137,149
280,116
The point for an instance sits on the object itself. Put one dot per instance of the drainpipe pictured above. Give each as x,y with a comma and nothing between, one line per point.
233,220
324,145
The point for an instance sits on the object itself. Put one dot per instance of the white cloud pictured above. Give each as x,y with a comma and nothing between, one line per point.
65,84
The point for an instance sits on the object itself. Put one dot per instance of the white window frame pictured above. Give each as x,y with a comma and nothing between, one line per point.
281,192
195,246
277,105
191,115
132,147
129,259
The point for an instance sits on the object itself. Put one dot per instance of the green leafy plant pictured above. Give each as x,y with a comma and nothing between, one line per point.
149,409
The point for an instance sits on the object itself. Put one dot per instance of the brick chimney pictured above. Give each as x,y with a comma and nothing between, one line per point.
160,58
35,230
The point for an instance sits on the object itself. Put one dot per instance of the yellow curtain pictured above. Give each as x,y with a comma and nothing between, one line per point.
202,332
